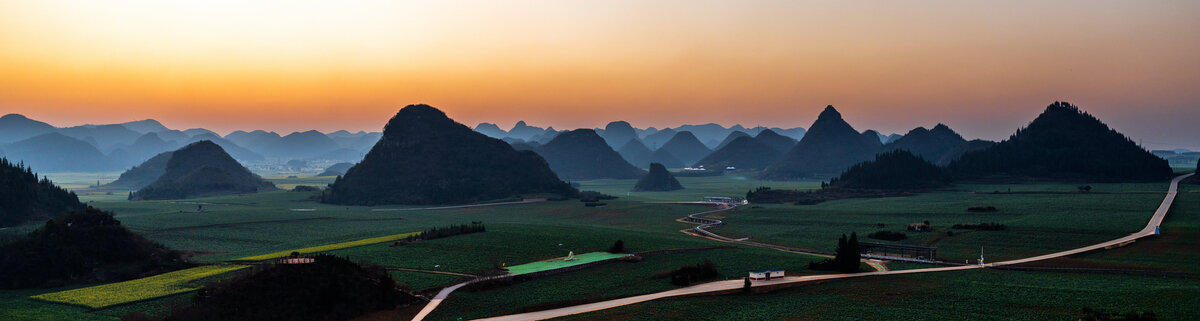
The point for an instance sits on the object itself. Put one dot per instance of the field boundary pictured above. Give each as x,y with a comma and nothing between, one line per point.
327,247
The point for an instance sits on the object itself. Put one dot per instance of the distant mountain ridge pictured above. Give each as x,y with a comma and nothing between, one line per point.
617,133
830,147
116,146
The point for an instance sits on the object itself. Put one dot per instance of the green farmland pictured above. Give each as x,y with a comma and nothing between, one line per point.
1040,218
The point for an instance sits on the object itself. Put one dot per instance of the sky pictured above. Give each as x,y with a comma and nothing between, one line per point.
984,69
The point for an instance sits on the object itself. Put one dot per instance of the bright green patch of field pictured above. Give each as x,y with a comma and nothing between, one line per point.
136,290
330,247
561,262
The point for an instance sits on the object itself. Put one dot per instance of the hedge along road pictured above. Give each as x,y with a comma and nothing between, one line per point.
733,285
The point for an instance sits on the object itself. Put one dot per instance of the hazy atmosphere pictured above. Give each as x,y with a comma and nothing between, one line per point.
298,65
181,160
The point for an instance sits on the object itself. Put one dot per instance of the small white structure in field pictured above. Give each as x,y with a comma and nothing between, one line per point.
766,275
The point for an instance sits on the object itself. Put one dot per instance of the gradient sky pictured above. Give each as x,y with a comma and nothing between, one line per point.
984,69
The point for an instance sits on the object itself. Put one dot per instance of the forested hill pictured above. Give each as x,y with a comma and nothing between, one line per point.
894,170
425,157
202,169
1064,143
84,246
23,197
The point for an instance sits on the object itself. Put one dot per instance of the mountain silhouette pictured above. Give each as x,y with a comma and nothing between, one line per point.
636,153
1064,143
524,132
829,147
658,139
931,145
745,152
617,133
729,139
17,127
425,157
56,152
665,158
254,140
234,150
956,152
300,145
338,169
658,179
686,148
104,136
582,154
145,126
143,148
145,173
201,169
776,141
491,130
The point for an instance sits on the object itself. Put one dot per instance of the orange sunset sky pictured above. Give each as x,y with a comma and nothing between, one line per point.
982,68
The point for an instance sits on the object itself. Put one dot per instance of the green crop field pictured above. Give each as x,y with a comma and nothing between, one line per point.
962,295
614,280
1041,218
137,290
329,247
561,262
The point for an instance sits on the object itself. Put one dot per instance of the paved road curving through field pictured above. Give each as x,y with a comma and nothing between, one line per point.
720,286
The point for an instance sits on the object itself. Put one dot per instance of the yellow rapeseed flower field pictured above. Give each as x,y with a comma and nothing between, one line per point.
137,290
329,247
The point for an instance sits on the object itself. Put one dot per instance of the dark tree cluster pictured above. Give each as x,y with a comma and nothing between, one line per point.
306,188
846,259
766,195
810,197
981,209
688,274
79,247
24,197
893,170
1064,143
981,227
591,197
443,232
329,288
617,247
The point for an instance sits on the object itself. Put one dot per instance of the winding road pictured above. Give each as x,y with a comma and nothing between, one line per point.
733,285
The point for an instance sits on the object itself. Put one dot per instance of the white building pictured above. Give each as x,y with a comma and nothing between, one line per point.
766,275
